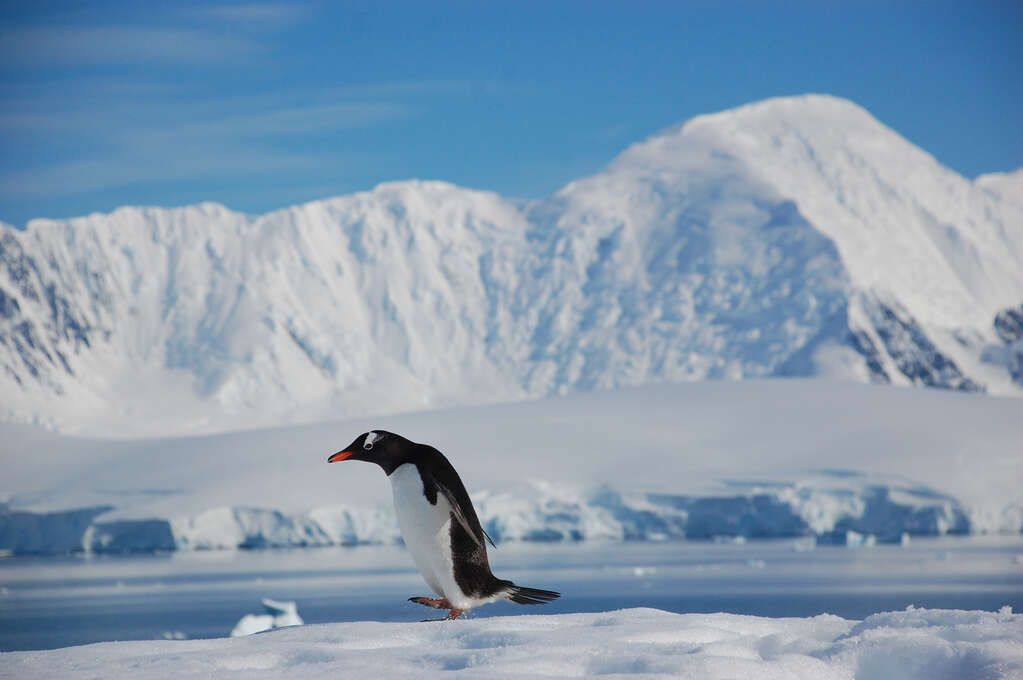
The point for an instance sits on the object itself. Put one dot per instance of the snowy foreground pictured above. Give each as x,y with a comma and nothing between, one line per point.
916,643
831,462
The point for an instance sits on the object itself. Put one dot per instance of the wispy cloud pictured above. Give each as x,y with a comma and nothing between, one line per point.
300,120
404,88
96,100
259,15
216,123
231,145
73,46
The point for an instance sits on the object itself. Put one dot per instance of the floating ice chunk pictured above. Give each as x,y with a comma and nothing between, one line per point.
280,615
284,613
252,623
854,539
804,544
735,540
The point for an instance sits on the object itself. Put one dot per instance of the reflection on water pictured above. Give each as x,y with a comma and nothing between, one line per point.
48,602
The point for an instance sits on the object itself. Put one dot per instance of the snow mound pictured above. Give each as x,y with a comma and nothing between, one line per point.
916,644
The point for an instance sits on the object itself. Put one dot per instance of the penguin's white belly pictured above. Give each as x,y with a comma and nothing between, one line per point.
426,530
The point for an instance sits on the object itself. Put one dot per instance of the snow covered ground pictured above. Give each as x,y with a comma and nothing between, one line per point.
635,643
751,459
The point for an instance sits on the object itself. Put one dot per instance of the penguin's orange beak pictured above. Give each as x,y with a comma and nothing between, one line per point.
339,456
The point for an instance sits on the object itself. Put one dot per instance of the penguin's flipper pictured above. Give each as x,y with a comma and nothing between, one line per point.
477,533
487,536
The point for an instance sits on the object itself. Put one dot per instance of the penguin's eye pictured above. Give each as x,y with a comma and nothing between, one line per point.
371,438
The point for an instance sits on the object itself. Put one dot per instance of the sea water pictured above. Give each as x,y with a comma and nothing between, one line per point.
49,602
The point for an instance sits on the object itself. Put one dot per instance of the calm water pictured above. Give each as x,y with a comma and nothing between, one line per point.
60,601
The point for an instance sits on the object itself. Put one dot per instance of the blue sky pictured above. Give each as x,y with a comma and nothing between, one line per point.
259,106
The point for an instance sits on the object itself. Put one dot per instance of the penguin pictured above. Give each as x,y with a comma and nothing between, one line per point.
439,525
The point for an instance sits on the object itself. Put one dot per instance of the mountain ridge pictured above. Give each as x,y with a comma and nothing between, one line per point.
794,236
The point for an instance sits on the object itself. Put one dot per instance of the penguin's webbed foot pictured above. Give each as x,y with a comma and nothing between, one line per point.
431,602
453,614
438,604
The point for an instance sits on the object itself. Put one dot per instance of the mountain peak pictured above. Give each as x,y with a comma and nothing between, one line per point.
805,112
838,165
1006,185
791,110
795,236
762,138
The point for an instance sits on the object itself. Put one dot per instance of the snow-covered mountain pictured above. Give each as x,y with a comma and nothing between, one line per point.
794,236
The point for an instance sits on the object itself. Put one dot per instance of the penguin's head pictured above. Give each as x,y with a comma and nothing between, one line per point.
386,449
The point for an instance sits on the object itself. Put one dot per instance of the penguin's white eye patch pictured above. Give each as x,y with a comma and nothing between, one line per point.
371,438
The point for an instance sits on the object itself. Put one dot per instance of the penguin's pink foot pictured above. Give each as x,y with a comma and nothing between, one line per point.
436,604
453,614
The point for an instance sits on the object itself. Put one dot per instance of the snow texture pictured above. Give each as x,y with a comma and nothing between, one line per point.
916,644
795,237
834,462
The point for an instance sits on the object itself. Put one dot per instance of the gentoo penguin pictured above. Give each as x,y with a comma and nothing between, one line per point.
439,524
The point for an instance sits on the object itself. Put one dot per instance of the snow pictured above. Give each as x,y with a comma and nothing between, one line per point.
778,458
795,236
915,644
1006,185
916,249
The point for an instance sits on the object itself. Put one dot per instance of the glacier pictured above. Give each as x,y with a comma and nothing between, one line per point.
793,237
814,461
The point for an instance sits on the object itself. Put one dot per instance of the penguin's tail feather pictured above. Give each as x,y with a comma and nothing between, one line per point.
523,595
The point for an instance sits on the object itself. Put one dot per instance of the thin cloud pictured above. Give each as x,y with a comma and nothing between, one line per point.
302,120
437,86
222,124
74,46
260,15
226,146
404,88
99,174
